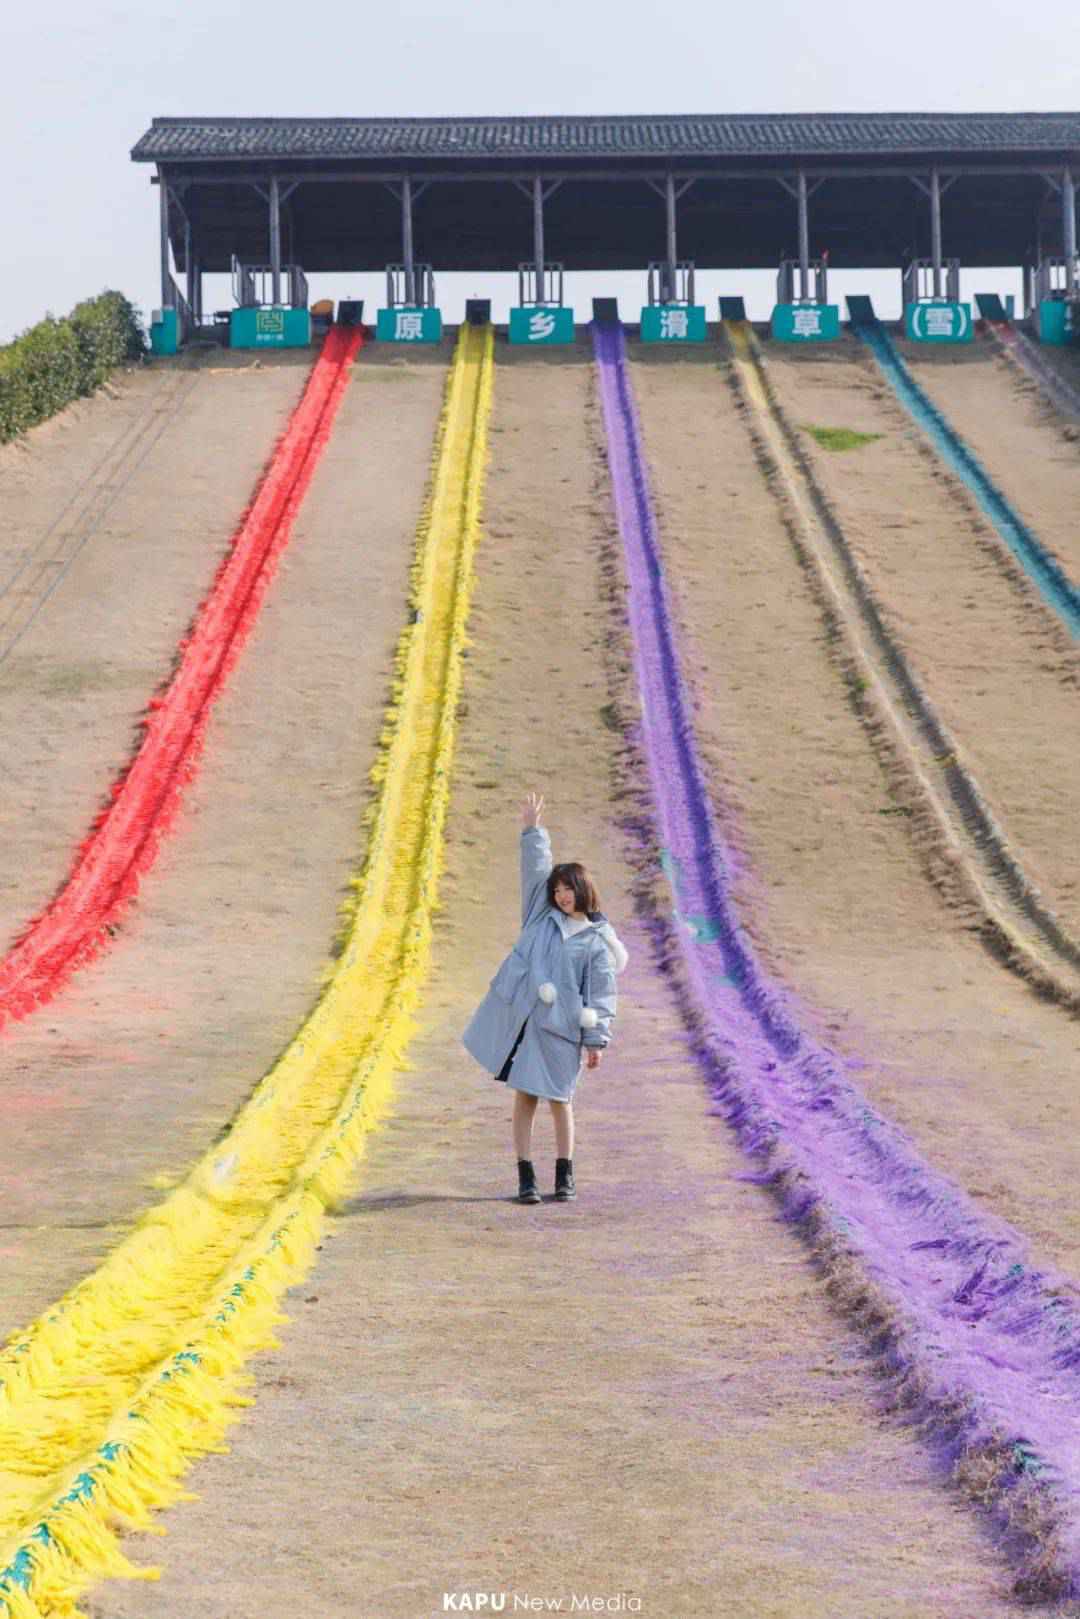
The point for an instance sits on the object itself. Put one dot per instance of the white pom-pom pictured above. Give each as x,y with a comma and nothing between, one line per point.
588,1017
546,993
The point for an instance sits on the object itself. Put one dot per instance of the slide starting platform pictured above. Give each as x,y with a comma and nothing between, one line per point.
808,317
539,315
411,314
933,310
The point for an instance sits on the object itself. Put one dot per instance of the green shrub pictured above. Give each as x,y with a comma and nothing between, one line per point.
57,361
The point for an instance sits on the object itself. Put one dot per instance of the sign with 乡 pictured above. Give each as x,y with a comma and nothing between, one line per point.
408,325
939,322
541,323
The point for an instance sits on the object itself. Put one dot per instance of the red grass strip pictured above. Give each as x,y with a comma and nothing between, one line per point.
124,839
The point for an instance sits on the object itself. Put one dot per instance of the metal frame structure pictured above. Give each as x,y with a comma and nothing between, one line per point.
593,171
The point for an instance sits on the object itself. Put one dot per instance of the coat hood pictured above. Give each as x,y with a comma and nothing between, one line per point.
615,947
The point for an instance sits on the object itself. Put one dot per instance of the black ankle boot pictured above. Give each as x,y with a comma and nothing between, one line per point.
564,1180
528,1191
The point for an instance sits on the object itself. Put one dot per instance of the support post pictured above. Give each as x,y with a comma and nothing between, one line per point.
189,261
672,241
407,242
538,237
275,240
804,237
167,300
935,228
1068,204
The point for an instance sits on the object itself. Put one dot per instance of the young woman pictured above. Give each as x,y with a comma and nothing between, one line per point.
551,1003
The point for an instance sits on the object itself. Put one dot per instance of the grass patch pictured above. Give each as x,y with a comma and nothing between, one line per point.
840,438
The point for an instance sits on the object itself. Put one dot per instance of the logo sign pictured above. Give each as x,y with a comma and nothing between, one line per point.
541,323
806,323
408,326
939,322
270,326
673,323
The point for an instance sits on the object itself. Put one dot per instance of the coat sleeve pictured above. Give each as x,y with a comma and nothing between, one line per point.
601,997
536,864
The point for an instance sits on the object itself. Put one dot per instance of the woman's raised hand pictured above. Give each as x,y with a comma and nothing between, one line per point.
532,807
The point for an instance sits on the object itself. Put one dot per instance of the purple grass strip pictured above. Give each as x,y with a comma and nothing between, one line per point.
987,1346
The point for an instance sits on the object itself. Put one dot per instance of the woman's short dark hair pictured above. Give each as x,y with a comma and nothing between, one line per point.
573,875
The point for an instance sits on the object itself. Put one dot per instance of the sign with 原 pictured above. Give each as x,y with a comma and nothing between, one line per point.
939,322
409,325
806,323
541,323
673,323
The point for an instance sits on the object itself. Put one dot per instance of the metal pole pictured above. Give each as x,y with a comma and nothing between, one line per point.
1068,204
804,238
190,263
167,300
538,237
275,240
672,244
935,229
407,241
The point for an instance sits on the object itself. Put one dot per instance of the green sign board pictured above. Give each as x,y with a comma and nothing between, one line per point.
1059,322
806,323
164,332
409,324
541,323
937,321
673,323
275,328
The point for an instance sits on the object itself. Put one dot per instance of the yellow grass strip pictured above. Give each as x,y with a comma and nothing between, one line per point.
106,1399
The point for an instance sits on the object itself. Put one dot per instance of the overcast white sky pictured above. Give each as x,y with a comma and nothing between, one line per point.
82,83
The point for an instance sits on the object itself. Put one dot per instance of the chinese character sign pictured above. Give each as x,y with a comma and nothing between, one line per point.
673,323
806,323
541,323
408,326
939,322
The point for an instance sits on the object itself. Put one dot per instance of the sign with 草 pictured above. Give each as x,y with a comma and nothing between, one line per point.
541,323
939,322
806,323
409,325
673,323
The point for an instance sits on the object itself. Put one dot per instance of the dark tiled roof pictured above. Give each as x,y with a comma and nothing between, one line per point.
751,135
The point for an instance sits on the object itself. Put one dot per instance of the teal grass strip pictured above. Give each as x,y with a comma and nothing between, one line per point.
1055,586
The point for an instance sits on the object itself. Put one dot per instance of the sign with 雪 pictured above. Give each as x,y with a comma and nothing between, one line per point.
541,323
939,322
409,325
806,323
673,323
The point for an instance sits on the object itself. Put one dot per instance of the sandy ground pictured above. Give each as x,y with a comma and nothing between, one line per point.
136,1066
1030,450
1000,669
938,1035
139,489
639,1393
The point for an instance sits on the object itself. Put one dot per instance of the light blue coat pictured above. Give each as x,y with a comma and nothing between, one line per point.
579,968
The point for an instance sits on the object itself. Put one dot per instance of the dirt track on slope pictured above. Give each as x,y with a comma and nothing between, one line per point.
133,1070
942,1038
1031,452
641,1392
152,476
1002,672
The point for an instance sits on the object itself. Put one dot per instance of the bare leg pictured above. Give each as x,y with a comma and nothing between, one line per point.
524,1113
562,1115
